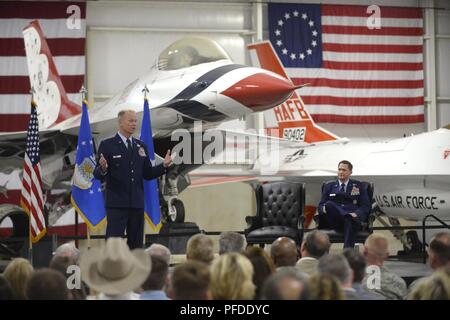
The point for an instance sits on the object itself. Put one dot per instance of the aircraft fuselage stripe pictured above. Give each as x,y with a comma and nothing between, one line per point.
184,104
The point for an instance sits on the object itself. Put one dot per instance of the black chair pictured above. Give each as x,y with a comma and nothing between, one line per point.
366,230
280,208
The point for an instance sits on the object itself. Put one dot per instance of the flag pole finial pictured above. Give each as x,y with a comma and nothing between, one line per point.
145,91
32,92
83,92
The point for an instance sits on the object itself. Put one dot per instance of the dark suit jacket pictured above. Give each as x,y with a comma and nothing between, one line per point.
125,174
355,199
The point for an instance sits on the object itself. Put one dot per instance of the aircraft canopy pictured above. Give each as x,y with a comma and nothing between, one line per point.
190,51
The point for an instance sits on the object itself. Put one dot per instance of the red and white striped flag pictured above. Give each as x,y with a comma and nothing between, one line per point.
32,199
356,74
63,24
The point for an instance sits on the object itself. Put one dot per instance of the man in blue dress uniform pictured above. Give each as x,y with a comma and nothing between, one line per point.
344,204
123,162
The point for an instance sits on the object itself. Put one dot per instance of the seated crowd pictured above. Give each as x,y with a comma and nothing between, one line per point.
285,272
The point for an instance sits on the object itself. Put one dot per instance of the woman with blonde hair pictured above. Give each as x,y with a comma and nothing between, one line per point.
18,272
435,287
231,278
325,287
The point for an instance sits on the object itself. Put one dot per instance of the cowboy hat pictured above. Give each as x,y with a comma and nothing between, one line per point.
114,269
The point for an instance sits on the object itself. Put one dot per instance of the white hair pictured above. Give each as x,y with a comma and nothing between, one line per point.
159,250
68,249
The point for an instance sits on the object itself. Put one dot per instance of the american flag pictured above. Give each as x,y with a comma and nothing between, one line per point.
32,199
64,25
356,74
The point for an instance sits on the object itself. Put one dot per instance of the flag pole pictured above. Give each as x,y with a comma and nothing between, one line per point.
145,91
88,236
30,240
83,92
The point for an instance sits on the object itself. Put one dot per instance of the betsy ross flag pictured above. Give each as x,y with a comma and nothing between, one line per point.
87,196
356,74
32,198
152,210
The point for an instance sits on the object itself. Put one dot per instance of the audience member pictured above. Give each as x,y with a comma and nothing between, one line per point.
435,287
337,266
231,278
18,272
287,283
284,252
200,248
358,264
439,251
325,287
190,281
262,265
231,242
161,251
68,249
438,255
315,245
6,292
157,279
47,284
390,285
114,271
62,263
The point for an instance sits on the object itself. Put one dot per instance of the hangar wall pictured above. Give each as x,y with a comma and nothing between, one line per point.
442,66
124,39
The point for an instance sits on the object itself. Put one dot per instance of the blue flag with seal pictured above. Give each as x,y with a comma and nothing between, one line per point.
87,197
152,210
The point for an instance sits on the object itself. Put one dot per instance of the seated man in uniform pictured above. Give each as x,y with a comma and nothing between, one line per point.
344,204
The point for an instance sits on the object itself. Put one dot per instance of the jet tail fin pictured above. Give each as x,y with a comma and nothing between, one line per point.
289,120
53,104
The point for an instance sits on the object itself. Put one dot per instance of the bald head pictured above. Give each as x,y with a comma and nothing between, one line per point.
316,244
284,252
439,251
376,249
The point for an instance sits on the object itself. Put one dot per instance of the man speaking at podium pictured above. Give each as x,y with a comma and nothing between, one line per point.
123,162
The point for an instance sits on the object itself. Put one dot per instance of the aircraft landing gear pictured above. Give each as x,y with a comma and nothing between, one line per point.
414,242
172,184
174,211
410,240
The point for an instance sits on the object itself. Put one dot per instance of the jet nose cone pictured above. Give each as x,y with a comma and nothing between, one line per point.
260,91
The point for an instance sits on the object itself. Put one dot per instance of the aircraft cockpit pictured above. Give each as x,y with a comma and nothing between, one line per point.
190,51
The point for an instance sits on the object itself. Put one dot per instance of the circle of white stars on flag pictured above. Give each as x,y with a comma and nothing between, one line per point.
303,16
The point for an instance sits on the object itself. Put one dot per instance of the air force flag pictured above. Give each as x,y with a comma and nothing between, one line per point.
87,197
152,211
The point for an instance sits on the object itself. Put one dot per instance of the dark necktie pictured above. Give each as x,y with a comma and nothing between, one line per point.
130,147
342,187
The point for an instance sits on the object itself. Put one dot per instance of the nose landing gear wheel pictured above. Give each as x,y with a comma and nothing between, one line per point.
176,211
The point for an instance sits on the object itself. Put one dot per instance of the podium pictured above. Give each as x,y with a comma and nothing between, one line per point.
174,236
